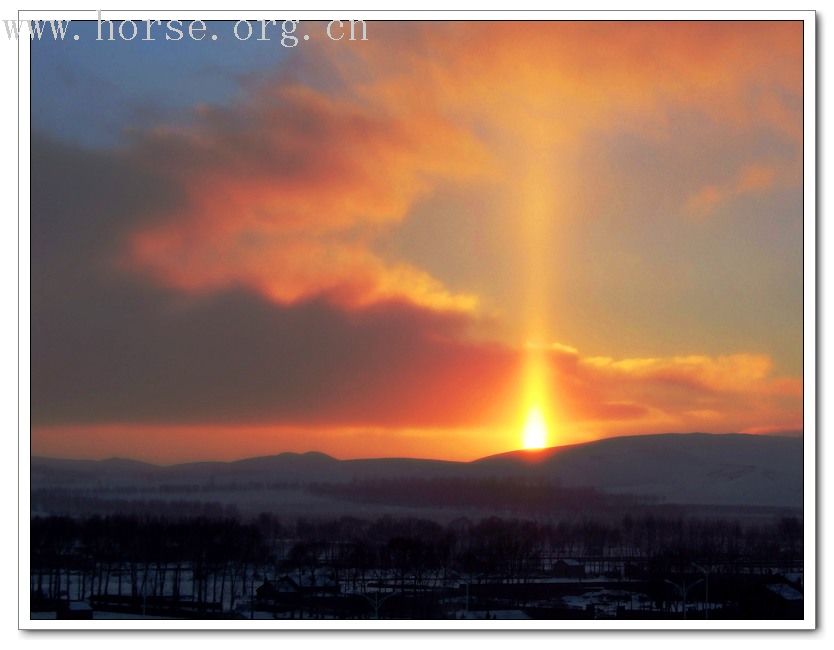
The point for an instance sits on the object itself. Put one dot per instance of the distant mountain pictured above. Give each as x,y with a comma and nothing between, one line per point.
65,472
729,469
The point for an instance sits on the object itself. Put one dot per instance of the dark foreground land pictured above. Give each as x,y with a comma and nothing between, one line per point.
645,527
647,566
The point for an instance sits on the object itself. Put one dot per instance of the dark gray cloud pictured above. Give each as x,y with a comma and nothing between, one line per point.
110,346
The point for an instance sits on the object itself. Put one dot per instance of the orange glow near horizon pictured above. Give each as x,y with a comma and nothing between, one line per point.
181,443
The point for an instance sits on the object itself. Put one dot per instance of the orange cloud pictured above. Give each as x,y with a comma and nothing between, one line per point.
751,179
285,194
289,190
736,372
736,392
590,75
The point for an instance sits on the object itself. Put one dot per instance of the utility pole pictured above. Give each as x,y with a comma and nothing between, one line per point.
376,602
706,587
683,590
145,594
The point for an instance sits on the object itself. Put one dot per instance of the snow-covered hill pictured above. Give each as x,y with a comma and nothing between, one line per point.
729,469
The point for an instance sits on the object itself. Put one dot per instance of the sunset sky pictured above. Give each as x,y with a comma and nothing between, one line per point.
451,240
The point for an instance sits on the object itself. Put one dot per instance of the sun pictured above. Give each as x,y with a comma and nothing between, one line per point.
535,430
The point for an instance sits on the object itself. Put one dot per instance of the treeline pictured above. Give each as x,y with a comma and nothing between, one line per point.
510,494
203,559
88,503
150,555
512,547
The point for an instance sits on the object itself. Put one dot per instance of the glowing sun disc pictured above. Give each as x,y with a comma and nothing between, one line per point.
535,430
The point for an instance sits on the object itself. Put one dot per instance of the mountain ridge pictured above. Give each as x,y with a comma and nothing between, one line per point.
513,452
734,469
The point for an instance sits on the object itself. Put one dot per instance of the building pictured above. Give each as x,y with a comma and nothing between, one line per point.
569,569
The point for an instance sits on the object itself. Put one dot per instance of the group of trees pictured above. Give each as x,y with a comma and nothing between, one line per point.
215,561
208,561
125,501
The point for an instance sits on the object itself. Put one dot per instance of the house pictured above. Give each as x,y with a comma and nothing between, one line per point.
569,569
75,610
277,590
288,588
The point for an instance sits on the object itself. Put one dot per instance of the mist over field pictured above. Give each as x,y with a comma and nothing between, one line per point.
674,473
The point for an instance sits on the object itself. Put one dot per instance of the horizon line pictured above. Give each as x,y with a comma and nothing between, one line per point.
790,434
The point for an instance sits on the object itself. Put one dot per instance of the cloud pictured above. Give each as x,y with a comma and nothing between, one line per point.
591,75
109,347
734,373
289,190
286,192
750,179
734,392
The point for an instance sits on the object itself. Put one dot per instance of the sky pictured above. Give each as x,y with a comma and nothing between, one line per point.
450,240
